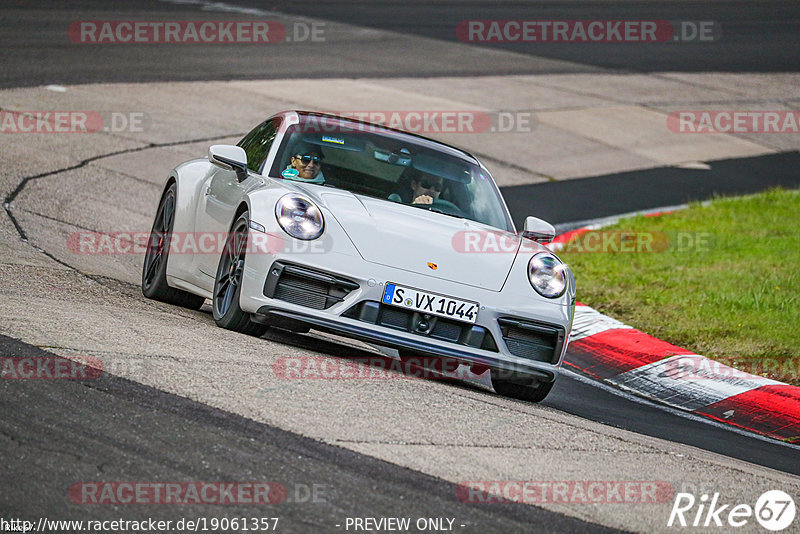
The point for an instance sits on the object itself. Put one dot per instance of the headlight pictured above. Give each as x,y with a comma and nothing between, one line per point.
299,217
548,275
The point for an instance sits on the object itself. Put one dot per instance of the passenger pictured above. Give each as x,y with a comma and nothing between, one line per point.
305,165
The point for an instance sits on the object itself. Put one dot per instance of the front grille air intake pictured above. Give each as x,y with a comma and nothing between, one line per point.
421,324
306,287
532,341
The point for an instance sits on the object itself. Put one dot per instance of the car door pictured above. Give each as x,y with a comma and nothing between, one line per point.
223,192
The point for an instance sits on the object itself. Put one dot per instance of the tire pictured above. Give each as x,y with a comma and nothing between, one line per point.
154,269
529,389
228,283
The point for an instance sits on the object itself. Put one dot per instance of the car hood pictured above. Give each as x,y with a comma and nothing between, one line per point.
423,242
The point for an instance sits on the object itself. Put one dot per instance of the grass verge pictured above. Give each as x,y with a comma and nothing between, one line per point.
721,279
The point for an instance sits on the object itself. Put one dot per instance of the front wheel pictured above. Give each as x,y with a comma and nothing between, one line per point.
526,389
228,283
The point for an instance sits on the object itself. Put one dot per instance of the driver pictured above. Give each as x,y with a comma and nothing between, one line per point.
425,188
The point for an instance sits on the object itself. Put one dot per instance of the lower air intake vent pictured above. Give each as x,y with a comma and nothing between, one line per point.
532,341
306,287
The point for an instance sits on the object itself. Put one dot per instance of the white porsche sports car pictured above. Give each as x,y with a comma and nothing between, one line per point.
318,221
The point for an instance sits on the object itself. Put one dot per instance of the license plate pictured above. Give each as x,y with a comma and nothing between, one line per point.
432,303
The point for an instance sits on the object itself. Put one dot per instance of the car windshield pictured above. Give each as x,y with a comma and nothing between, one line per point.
368,160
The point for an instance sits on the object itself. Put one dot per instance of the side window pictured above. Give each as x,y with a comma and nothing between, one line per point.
257,143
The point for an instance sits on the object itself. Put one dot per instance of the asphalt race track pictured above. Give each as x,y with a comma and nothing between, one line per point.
185,401
568,203
754,39
199,442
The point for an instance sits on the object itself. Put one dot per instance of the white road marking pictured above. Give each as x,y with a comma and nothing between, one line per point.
589,322
689,382
671,410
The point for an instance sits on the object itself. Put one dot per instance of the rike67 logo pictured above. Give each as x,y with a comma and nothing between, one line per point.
774,510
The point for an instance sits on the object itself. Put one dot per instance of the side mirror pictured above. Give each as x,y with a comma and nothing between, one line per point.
229,157
538,230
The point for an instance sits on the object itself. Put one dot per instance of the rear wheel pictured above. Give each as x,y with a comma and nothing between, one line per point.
518,387
228,283
154,269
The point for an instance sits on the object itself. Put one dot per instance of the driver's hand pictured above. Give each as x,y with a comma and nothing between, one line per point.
423,199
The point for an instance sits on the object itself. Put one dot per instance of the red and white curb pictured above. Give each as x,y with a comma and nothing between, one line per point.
607,350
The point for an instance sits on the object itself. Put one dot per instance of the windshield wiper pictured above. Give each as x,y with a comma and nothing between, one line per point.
437,210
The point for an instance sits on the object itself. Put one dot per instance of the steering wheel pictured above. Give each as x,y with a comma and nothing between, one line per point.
447,207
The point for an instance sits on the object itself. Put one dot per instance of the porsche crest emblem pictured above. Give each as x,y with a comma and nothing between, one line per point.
433,265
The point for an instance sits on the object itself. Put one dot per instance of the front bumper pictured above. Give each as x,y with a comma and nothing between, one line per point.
367,282
268,315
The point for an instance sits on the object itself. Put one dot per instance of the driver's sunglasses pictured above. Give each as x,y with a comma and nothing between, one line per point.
425,184
306,158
